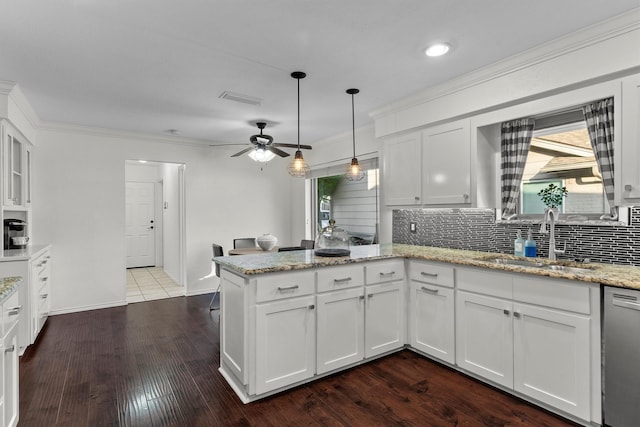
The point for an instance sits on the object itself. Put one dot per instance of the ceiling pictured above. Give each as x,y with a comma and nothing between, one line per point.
153,65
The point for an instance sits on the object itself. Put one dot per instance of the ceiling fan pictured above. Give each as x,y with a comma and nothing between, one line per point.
265,143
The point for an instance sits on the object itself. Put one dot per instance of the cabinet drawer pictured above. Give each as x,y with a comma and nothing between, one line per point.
334,278
429,272
11,309
556,293
384,271
485,282
287,285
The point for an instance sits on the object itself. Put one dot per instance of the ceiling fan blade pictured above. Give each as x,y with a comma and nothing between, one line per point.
276,151
304,147
240,153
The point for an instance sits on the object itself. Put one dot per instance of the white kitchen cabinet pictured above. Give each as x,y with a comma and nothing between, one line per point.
552,357
16,167
446,164
402,172
432,310
385,309
484,337
285,342
628,188
340,325
429,167
534,335
11,377
41,290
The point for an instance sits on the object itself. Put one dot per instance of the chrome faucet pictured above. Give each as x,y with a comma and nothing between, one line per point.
550,216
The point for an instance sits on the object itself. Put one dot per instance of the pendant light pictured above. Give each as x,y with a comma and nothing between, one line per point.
298,167
354,172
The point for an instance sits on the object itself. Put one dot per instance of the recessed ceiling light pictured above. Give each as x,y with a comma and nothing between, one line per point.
437,49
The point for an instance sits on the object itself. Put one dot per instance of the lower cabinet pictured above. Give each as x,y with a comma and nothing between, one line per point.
340,318
11,378
385,318
285,342
432,310
527,342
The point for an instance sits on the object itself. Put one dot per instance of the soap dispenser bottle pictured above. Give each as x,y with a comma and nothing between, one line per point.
530,246
518,244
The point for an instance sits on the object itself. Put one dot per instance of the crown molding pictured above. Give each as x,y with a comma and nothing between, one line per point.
57,127
580,39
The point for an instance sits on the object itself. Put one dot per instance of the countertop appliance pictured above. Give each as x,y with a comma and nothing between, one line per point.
621,345
15,233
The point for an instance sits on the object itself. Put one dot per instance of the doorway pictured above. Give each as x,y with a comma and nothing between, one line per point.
155,230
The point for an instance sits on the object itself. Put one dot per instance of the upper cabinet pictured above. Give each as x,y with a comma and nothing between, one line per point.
628,189
16,167
429,167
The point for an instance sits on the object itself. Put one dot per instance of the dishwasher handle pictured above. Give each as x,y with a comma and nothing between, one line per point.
625,301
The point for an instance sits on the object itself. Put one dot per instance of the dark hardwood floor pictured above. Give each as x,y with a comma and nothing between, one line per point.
155,364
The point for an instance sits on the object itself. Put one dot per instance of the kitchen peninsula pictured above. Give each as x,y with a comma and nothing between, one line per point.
531,328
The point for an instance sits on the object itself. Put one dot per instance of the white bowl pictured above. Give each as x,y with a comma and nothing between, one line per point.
266,242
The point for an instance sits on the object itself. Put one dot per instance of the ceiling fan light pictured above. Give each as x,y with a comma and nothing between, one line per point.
298,167
354,172
261,155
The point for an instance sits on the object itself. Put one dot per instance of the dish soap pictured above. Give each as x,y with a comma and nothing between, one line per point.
530,246
518,244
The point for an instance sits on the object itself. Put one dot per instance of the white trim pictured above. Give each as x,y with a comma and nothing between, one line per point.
87,308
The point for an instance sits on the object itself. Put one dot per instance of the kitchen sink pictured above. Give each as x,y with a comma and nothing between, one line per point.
567,269
518,262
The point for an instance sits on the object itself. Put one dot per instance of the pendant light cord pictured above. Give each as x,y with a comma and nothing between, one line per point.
298,114
353,125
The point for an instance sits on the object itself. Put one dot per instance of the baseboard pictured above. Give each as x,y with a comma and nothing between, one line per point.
87,308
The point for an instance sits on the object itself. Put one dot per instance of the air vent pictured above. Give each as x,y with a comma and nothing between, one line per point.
238,97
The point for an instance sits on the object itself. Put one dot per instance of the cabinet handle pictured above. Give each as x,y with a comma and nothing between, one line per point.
465,196
311,307
361,297
10,349
516,314
346,279
14,310
369,296
506,312
391,273
288,288
45,261
417,198
44,296
431,291
429,274
44,279
627,187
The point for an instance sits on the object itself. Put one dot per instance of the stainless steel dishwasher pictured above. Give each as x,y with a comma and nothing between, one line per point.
621,345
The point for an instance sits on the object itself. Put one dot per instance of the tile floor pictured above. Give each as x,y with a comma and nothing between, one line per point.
150,283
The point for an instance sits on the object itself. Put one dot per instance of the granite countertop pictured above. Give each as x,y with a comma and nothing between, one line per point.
608,274
7,286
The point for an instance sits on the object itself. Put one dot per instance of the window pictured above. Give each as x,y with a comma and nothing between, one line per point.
562,155
353,205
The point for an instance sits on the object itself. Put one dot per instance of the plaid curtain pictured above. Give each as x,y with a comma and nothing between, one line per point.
515,141
599,118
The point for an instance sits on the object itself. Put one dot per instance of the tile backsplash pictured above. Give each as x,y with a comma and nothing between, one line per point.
477,229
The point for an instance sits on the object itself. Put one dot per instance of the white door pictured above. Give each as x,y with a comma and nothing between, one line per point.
384,318
285,342
340,318
484,337
431,320
140,224
551,357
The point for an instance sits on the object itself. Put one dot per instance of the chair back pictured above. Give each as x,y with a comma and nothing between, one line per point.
245,242
217,251
291,248
307,244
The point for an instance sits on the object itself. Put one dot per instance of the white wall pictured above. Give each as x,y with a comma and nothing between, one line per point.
171,220
78,206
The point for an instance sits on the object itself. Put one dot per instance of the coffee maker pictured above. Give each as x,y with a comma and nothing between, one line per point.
15,234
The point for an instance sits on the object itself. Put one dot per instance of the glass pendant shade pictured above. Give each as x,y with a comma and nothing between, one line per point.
298,167
354,172
261,155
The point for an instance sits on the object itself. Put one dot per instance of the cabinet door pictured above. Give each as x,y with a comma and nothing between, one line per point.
629,187
12,151
10,383
285,342
551,358
484,337
402,170
340,317
384,318
446,164
431,320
